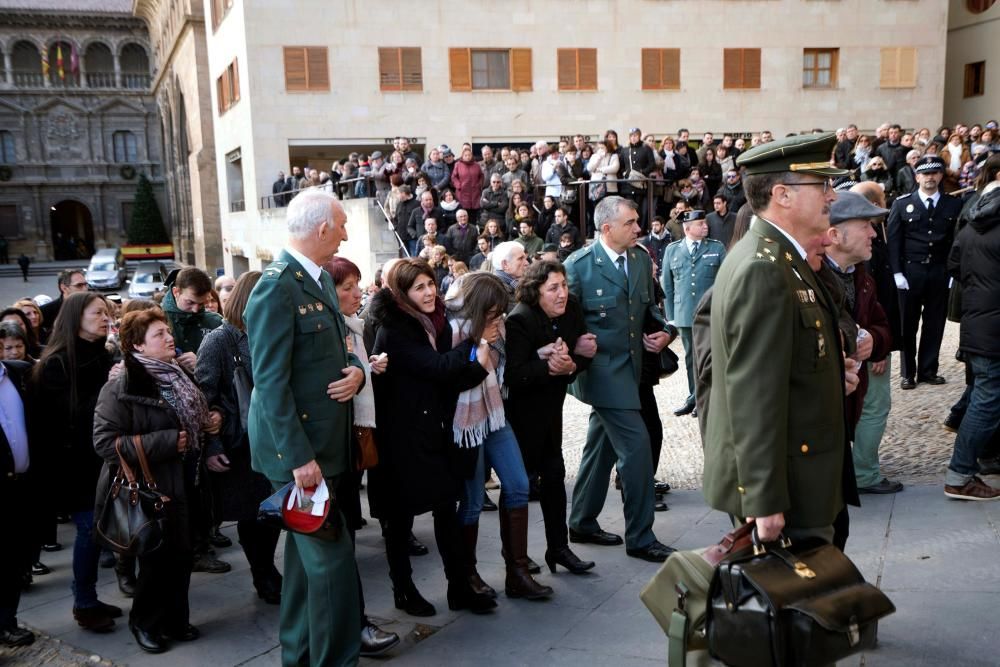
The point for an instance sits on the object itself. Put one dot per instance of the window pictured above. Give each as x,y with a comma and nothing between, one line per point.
135,67
899,67
975,79
8,155
490,69
8,221
978,6
227,88
234,180
126,148
577,69
819,68
219,10
661,69
399,68
306,69
741,69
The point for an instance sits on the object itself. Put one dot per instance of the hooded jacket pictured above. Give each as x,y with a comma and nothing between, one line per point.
975,262
188,328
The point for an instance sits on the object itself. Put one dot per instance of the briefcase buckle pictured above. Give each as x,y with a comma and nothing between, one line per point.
803,570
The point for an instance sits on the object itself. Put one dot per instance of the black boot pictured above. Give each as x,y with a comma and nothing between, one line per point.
125,573
514,535
470,537
564,556
461,596
408,598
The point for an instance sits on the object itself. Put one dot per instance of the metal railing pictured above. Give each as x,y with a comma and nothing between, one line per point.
341,188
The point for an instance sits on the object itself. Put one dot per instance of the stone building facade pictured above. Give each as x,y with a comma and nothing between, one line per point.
292,84
181,88
77,125
972,76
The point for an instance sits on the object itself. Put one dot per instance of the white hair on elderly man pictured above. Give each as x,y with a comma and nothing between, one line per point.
503,252
308,211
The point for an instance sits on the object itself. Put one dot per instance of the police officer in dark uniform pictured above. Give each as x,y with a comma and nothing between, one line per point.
921,228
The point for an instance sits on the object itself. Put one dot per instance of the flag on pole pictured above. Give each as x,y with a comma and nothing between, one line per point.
45,63
74,59
59,63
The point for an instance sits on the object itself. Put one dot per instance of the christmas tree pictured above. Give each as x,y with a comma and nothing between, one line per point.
146,226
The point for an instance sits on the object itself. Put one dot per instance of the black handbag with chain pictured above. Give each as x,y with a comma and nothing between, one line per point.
133,522
783,605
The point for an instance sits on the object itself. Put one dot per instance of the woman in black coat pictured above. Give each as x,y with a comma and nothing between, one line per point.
420,466
155,399
547,345
65,384
240,490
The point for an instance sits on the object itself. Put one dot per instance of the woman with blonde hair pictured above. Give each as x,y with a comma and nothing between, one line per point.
35,317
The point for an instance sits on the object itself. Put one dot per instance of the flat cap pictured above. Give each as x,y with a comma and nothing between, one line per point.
929,163
802,154
376,155
852,206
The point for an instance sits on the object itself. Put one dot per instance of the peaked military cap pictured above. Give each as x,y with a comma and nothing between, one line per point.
802,154
929,163
852,206
696,214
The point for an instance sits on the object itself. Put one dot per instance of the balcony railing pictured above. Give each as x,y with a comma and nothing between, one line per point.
136,81
100,79
29,79
95,80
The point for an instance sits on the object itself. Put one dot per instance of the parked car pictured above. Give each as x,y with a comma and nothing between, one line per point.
146,281
107,269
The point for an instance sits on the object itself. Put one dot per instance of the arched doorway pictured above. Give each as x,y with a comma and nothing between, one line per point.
72,230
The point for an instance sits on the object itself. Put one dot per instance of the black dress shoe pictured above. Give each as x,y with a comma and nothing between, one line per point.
885,485
932,379
685,409
38,569
654,553
601,537
186,634
109,610
269,589
415,546
55,546
409,599
206,562
907,383
149,642
660,488
16,637
488,505
375,640
218,540
660,506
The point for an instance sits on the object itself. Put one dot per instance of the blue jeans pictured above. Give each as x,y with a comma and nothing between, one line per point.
980,421
501,449
871,426
85,556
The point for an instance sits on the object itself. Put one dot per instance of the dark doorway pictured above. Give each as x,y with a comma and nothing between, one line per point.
72,231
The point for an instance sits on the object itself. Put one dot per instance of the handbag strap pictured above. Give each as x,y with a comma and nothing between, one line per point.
143,461
677,638
123,464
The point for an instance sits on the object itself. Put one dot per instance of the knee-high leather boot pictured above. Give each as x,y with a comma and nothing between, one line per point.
470,537
514,535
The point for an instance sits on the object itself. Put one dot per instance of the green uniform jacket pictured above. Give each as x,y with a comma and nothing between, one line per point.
617,319
685,279
298,346
775,435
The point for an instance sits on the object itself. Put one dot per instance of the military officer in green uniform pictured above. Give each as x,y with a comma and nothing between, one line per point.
689,269
614,283
775,443
299,424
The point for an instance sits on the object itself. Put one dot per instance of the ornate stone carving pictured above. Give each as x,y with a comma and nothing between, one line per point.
62,131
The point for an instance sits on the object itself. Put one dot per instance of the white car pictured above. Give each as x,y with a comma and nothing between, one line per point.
146,281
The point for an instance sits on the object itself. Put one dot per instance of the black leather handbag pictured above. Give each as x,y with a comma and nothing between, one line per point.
782,605
133,521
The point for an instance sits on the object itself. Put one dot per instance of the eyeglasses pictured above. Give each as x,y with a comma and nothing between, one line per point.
78,285
827,184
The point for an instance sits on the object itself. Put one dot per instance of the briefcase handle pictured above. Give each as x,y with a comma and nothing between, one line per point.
779,548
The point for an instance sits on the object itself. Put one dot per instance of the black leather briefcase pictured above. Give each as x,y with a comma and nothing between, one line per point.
798,605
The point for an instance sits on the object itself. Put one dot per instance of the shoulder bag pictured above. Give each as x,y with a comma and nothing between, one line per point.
242,387
133,521
635,177
783,605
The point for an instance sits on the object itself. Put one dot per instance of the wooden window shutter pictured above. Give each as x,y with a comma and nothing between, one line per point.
318,69
751,68
220,93
520,70
566,69
460,68
236,81
411,68
651,69
888,70
587,66
295,68
907,67
389,70
670,68
732,68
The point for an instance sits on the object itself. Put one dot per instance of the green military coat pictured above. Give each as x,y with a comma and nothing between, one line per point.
686,278
298,346
618,317
775,433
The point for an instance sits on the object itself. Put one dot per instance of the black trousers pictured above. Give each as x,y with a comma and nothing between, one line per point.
259,541
651,418
925,304
398,526
16,554
551,472
161,589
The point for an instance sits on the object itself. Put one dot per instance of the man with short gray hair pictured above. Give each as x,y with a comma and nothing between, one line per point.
509,261
300,427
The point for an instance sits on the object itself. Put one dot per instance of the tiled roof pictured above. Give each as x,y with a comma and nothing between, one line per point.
85,6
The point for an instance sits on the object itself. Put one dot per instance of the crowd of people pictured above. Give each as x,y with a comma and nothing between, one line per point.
790,269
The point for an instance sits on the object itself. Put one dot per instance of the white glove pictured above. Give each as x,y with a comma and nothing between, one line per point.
901,281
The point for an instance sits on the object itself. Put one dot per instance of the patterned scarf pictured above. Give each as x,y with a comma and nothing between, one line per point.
181,392
364,400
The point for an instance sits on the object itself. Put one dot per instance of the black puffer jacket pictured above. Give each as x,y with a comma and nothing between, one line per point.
975,262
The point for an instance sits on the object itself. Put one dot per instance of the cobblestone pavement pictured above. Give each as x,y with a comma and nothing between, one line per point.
915,448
